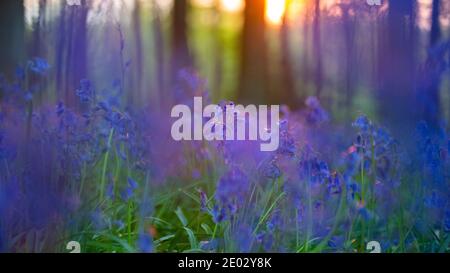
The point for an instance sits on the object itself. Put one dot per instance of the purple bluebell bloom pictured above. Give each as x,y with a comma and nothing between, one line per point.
145,243
39,65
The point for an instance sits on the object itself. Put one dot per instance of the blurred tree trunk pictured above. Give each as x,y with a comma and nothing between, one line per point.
397,67
218,52
180,50
137,62
349,27
305,64
435,34
37,47
76,52
159,52
433,70
60,46
287,94
12,35
253,73
376,29
317,50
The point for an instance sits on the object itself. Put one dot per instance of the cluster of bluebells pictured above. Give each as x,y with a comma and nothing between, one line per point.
371,172
433,163
300,174
46,162
232,190
258,201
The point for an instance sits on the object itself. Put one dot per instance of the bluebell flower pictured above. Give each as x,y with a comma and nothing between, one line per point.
260,237
382,136
232,187
286,145
119,121
104,105
362,123
98,219
203,201
431,157
334,184
132,183
85,92
353,190
209,246
447,221
145,243
318,204
336,242
38,65
284,125
315,114
218,214
316,171
60,109
271,170
130,189
230,194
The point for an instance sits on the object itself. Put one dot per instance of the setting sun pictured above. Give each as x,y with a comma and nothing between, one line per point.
275,10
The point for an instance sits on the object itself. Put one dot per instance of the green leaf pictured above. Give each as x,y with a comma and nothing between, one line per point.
207,229
181,217
165,238
192,238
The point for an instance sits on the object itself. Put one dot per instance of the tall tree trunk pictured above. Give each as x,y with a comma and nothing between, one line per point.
317,50
397,67
218,52
159,53
12,35
287,94
435,34
138,56
76,58
304,60
433,70
180,50
60,48
37,46
253,74
349,55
